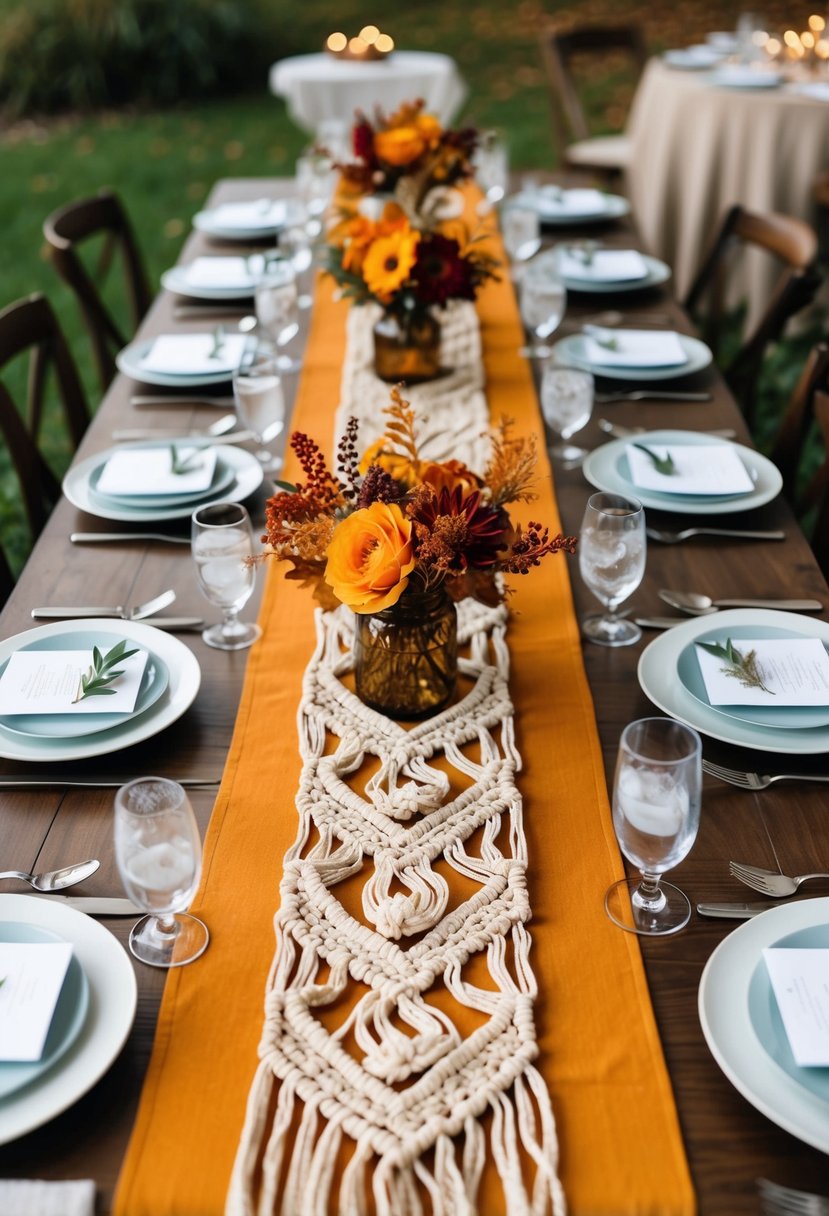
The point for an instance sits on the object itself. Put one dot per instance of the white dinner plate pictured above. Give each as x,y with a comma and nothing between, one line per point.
185,678
154,681
223,479
740,76
67,1020
129,361
572,350
175,279
615,206
660,682
692,59
281,214
784,717
605,468
724,1013
111,979
248,477
658,272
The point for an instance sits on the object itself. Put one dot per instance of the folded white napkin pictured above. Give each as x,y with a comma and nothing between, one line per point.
605,266
714,468
634,348
147,471
224,272
21,1197
552,201
262,213
191,354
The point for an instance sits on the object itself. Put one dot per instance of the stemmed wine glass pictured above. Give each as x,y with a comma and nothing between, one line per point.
657,792
612,563
260,403
543,302
222,545
277,307
492,167
521,233
158,852
566,403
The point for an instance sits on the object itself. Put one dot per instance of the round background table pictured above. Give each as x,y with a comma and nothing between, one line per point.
697,148
322,89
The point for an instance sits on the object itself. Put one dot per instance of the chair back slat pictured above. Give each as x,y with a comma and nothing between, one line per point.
65,230
561,47
792,242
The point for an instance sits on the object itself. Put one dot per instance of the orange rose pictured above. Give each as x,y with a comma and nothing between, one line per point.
370,558
449,476
401,146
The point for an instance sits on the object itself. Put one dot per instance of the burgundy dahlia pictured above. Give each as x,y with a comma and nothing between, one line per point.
440,272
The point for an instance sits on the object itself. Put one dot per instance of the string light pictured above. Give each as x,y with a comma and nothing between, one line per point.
370,43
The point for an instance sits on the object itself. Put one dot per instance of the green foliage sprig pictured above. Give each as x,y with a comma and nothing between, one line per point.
662,464
742,667
94,683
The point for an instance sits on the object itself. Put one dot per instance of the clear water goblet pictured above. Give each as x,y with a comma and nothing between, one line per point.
158,852
222,547
657,792
277,307
612,549
566,403
260,403
543,304
521,233
296,244
492,167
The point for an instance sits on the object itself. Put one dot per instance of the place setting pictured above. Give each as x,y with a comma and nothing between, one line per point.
186,360
685,472
753,677
164,480
634,354
258,219
96,686
215,277
587,266
559,207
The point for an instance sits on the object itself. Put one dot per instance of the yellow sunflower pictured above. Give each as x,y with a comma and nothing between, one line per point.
388,262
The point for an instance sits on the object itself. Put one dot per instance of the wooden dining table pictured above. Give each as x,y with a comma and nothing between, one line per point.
729,1144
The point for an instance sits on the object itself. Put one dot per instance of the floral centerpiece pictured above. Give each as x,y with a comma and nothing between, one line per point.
398,538
409,155
408,272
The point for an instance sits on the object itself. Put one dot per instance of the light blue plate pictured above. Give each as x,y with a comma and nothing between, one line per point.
766,1019
572,350
223,477
657,272
614,207
72,726
786,717
68,1018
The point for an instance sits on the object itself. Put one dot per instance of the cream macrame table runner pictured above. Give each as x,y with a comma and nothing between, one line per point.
414,1112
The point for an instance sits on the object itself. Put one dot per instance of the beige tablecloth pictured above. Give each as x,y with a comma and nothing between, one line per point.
697,149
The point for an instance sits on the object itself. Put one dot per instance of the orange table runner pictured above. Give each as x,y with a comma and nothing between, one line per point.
599,1049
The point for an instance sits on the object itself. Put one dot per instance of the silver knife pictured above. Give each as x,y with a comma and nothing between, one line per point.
135,434
55,613
59,783
220,402
663,622
96,905
95,538
732,911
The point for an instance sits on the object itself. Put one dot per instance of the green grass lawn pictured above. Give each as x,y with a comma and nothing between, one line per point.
163,164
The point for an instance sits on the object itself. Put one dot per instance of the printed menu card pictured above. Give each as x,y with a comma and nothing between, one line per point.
31,977
49,682
790,671
800,980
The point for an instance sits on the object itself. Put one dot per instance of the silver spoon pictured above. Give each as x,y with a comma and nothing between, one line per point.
55,880
700,605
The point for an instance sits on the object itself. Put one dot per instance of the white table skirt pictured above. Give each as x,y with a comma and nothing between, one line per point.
320,88
697,149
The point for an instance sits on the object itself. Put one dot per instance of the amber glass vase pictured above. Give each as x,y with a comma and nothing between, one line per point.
406,657
407,348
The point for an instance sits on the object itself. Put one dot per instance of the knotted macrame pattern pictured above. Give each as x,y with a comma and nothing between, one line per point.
367,1096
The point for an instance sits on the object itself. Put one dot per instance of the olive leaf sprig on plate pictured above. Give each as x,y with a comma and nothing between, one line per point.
662,464
184,464
738,666
101,673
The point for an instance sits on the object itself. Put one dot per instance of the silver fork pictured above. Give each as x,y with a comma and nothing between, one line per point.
768,882
624,432
777,1200
756,781
647,394
668,536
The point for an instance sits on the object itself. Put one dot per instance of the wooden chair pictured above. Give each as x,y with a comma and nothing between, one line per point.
31,326
606,154
68,228
807,419
794,243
